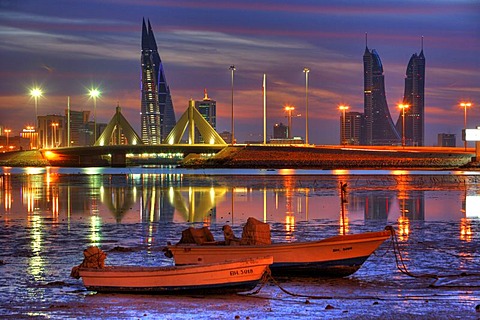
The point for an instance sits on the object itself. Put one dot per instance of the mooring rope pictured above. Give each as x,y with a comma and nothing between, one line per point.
399,261
267,277
403,268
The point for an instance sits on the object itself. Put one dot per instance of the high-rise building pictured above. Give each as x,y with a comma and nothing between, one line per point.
354,128
446,140
414,97
157,113
79,133
208,109
280,131
379,127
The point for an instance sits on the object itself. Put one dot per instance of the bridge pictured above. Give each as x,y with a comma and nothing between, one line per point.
119,144
121,155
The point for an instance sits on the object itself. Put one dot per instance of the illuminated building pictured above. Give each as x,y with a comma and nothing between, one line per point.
354,128
414,97
208,109
157,113
30,134
79,133
379,127
51,131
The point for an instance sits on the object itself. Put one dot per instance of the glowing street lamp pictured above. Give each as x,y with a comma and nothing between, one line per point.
7,132
344,131
465,105
306,71
232,69
289,110
403,107
36,93
94,93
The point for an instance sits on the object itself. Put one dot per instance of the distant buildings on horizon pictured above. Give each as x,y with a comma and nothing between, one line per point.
374,126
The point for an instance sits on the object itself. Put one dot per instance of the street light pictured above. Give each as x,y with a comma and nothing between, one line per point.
403,107
465,105
289,110
7,131
36,93
94,93
344,133
306,71
232,69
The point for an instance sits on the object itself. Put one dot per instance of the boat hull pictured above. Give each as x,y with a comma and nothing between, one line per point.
332,257
237,276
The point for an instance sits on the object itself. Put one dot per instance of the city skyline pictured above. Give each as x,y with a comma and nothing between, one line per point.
70,47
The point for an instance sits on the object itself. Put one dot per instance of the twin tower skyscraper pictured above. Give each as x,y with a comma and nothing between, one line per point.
158,116
379,126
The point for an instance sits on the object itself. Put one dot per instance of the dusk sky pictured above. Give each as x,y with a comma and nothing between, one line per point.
66,47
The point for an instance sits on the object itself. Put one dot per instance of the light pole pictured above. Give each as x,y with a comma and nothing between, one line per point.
289,110
306,71
94,93
232,69
344,133
403,107
36,93
465,105
7,131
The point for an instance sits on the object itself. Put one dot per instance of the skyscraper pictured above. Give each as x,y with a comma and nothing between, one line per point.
379,126
157,113
354,128
208,109
414,96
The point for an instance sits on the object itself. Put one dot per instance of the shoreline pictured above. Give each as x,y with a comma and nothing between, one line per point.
297,157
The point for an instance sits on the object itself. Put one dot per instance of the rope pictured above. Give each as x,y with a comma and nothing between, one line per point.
403,268
267,277
400,263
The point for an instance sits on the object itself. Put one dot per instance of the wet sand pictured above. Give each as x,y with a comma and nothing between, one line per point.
36,284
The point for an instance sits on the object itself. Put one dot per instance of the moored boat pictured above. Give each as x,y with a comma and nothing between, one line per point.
337,256
231,276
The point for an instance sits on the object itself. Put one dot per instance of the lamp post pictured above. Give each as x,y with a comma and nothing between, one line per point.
7,132
36,93
232,69
465,105
403,107
306,71
94,93
343,108
289,110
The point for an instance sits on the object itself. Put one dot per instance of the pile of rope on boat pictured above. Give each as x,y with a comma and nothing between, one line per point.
94,258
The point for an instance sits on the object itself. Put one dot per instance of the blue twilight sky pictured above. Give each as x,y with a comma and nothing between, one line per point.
68,46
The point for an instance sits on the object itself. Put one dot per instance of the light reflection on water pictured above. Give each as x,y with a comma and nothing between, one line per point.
49,216
198,197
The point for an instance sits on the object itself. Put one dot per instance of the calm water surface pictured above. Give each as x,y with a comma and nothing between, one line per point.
49,215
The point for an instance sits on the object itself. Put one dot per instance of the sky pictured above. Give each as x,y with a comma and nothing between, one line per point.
67,47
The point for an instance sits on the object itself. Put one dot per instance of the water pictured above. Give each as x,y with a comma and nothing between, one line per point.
49,215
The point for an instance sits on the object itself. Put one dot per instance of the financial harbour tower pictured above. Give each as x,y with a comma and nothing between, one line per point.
157,113
414,97
379,126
